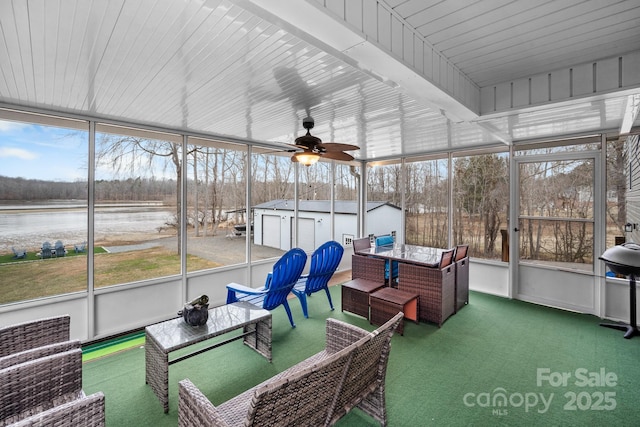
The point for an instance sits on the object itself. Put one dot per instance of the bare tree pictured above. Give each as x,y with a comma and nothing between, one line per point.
129,155
481,198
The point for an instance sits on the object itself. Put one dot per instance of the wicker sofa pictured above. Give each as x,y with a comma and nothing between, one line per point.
35,386
87,411
48,391
38,352
41,377
320,390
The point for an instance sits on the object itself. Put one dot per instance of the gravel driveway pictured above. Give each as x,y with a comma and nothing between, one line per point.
219,248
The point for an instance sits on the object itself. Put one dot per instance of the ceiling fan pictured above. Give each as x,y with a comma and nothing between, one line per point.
314,148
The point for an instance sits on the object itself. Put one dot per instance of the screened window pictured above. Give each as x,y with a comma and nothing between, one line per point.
272,199
216,204
347,182
137,205
556,212
43,206
384,185
481,203
427,203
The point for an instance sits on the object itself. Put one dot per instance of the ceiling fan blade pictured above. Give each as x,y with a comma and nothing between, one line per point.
337,155
334,146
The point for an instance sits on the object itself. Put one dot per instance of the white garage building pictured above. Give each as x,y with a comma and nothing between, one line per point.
274,222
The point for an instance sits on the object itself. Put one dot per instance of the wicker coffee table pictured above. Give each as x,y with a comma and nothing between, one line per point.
387,302
355,295
165,337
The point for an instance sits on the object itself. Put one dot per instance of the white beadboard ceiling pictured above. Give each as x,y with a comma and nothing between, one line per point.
237,69
492,41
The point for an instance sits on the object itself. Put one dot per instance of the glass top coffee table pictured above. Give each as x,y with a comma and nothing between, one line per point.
164,337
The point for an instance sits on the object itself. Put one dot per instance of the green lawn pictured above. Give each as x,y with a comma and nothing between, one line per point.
22,280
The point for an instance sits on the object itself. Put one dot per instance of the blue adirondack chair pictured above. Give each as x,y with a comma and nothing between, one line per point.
324,262
286,272
19,253
60,250
45,251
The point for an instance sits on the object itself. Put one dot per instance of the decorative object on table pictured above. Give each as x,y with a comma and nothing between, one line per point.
196,312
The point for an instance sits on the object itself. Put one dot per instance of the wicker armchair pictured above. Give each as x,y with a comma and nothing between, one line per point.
435,285
364,383
361,244
87,411
349,372
33,334
368,268
32,387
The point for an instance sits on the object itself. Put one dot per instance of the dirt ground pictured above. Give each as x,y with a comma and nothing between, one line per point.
219,248
225,250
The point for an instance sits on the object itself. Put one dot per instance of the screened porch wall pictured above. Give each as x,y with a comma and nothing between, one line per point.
116,309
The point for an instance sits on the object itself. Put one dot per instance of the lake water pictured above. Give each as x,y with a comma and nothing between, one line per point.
29,226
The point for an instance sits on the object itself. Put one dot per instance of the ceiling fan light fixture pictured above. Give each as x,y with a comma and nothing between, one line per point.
307,159
313,148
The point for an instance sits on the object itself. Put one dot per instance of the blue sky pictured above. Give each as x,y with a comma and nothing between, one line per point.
33,151
49,153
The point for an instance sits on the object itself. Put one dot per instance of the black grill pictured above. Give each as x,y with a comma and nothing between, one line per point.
624,259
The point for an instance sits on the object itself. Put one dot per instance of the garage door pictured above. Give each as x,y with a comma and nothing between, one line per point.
271,231
307,234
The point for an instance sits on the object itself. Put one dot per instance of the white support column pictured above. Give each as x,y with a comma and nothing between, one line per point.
183,217
91,187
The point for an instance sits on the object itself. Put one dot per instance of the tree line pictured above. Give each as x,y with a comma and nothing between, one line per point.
142,189
217,175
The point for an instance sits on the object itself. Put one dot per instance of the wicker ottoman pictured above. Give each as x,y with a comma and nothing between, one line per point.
355,296
387,302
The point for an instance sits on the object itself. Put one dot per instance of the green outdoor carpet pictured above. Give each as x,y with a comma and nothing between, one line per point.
108,347
496,362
